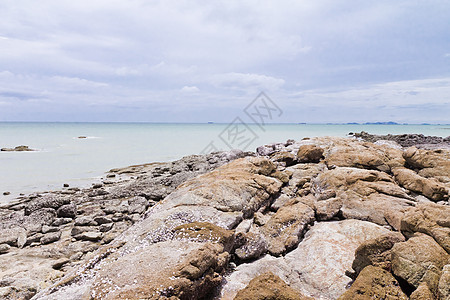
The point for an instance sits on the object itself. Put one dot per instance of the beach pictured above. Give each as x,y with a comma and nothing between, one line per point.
348,215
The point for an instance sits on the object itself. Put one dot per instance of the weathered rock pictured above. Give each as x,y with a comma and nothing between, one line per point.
374,283
11,236
4,248
137,205
268,286
422,293
317,267
89,236
327,209
102,220
67,211
430,188
286,158
85,221
204,232
50,237
61,221
376,252
431,219
253,246
309,154
444,283
430,163
38,218
419,259
285,228
60,263
47,201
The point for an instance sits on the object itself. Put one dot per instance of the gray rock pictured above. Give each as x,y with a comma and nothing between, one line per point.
137,205
61,221
102,220
105,227
89,236
47,229
67,211
76,230
50,237
85,221
4,248
60,263
47,201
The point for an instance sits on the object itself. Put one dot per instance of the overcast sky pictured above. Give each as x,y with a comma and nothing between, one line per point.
199,61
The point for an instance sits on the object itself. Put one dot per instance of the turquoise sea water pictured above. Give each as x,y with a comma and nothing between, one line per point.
64,158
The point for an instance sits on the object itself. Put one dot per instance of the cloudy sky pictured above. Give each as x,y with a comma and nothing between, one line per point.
199,61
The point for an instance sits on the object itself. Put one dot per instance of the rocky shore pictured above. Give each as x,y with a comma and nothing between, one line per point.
320,218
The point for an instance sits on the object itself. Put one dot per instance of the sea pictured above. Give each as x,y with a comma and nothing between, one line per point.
80,153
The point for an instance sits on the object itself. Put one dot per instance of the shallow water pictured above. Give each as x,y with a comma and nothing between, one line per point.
64,158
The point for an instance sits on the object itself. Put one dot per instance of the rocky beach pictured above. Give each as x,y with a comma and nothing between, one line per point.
362,217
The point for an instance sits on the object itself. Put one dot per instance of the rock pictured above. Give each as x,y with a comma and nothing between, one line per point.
431,219
137,205
102,220
328,209
253,246
50,237
309,154
58,264
67,211
47,201
444,283
6,193
105,227
85,221
422,293
317,267
4,248
47,229
268,286
430,163
285,228
66,185
286,158
419,259
11,236
430,188
374,283
34,222
89,236
61,221
376,252
17,148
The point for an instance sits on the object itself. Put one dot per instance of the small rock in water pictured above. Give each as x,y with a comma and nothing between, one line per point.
65,185
6,193
82,137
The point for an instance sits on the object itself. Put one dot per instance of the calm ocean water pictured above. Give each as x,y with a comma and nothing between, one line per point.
64,158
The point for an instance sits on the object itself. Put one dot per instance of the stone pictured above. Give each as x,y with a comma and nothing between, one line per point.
4,248
137,205
91,236
10,236
429,218
268,286
328,209
435,163
46,201
50,237
429,187
374,283
85,221
286,158
58,264
105,227
47,229
102,220
18,148
419,259
376,252
61,221
285,228
422,293
67,211
309,154
444,283
253,246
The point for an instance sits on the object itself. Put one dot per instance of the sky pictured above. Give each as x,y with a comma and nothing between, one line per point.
205,61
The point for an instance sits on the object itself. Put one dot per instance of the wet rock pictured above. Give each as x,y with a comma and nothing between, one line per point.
50,237
374,283
309,154
419,259
376,252
268,286
67,211
17,148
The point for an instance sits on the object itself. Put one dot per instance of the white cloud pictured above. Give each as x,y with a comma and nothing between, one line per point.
190,89
244,81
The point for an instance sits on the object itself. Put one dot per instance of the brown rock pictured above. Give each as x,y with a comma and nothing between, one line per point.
376,252
327,209
374,283
253,246
204,231
422,293
268,286
309,154
429,218
430,188
420,259
286,227
444,283
284,157
430,163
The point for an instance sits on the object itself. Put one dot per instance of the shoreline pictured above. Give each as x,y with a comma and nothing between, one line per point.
74,225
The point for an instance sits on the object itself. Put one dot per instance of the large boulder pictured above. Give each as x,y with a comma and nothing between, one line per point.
429,163
429,187
317,267
429,218
374,283
419,259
